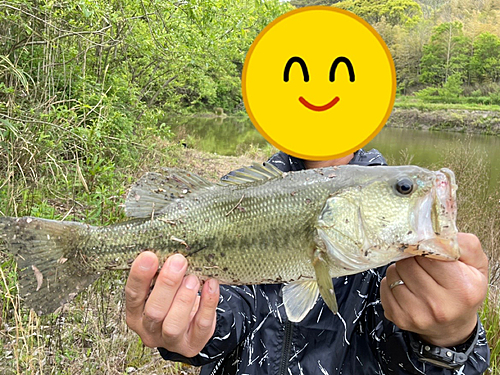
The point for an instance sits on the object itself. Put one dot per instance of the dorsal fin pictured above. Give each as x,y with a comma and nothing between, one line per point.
252,173
154,191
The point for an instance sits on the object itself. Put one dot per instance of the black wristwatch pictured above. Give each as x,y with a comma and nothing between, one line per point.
450,358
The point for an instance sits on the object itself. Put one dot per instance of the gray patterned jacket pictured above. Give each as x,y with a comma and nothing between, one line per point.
253,335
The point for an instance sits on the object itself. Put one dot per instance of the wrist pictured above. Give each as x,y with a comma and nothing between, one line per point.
457,336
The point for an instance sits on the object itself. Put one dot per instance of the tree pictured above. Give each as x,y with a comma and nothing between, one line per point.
395,12
407,51
451,89
448,52
485,63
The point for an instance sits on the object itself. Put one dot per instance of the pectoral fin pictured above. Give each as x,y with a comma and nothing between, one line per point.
324,282
299,297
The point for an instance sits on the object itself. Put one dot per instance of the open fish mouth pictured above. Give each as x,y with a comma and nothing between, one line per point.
436,229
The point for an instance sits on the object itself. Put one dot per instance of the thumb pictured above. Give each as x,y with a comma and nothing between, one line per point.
472,252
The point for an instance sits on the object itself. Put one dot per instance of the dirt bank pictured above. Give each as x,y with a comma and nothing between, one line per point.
459,120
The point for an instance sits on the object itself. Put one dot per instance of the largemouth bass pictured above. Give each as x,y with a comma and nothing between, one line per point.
259,226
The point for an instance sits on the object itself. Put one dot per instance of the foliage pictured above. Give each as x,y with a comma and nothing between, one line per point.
431,40
452,88
449,92
306,3
485,63
393,11
148,56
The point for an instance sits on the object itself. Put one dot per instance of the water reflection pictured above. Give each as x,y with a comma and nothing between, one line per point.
224,136
234,136
427,147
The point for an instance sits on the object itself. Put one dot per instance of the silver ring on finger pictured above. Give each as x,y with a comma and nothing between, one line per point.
396,283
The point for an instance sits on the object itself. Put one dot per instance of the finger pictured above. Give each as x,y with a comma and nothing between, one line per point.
400,298
416,278
203,325
472,252
392,309
399,303
194,310
392,276
452,275
167,283
178,318
138,284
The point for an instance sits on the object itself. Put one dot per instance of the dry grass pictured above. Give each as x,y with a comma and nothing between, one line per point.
479,213
93,327
91,336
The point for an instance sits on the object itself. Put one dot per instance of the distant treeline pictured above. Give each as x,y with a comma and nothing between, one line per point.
131,60
442,49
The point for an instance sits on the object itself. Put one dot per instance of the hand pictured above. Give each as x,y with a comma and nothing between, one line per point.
173,316
439,300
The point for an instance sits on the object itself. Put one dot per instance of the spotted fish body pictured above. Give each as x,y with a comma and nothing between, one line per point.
259,226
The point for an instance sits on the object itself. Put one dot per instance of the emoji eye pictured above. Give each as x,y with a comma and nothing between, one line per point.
347,63
295,59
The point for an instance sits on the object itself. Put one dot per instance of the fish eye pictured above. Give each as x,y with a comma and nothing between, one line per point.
404,186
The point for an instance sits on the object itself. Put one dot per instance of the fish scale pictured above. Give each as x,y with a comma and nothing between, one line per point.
259,226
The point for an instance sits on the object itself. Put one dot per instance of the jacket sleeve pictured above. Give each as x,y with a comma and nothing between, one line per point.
235,318
396,356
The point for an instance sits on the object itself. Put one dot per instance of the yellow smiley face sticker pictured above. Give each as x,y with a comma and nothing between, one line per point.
319,83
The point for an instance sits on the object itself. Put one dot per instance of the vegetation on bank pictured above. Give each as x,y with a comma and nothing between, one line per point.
407,102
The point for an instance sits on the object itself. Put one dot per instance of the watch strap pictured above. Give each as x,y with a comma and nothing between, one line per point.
450,358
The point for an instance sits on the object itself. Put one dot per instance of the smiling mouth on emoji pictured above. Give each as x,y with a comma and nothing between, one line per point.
319,108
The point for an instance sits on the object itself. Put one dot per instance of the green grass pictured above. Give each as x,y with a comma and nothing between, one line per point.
408,102
36,180
69,172
491,317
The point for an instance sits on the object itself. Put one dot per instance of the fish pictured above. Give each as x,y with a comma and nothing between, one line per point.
257,226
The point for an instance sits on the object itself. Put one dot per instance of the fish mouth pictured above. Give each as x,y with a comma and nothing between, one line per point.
436,217
319,108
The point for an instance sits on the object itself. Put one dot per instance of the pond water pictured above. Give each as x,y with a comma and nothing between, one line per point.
234,136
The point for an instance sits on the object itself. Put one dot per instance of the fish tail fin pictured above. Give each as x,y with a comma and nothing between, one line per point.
50,270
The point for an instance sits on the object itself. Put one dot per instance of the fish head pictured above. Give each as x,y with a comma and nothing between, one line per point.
390,213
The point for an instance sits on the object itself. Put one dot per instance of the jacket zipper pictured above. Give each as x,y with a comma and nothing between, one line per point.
287,345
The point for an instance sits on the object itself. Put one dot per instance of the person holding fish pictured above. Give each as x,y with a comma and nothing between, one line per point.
417,315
